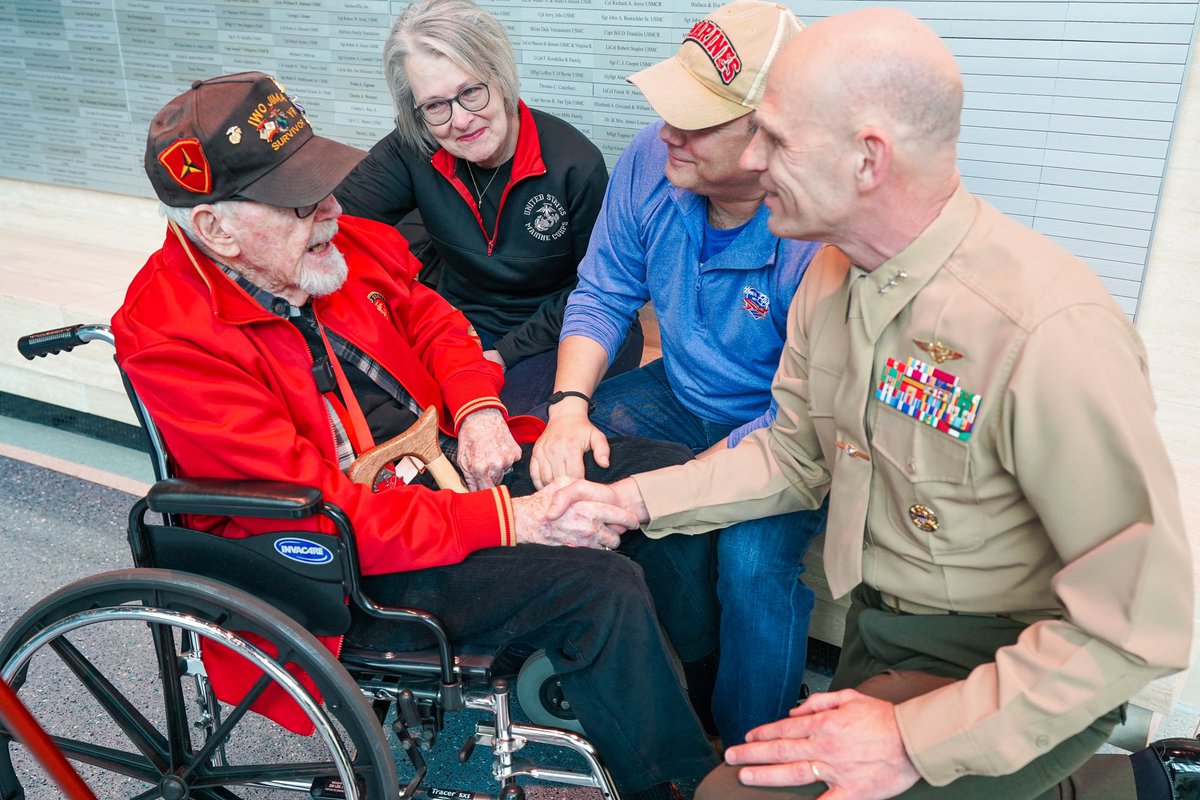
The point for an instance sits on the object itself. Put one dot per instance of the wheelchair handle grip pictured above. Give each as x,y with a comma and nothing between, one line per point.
52,342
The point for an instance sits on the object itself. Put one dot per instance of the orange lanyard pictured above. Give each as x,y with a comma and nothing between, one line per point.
357,429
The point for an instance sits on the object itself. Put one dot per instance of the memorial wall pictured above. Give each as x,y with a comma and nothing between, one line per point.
1070,106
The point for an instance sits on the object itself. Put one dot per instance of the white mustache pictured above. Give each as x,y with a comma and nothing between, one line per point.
323,232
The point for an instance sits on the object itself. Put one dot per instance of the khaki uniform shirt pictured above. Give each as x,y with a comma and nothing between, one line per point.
1060,504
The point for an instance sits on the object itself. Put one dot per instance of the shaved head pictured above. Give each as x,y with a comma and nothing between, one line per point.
858,132
882,66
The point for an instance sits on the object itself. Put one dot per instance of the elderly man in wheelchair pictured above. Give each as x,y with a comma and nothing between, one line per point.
270,340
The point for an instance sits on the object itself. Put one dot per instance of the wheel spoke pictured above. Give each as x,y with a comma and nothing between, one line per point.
258,773
140,731
129,764
174,702
222,734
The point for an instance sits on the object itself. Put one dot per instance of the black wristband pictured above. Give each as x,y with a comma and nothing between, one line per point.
554,398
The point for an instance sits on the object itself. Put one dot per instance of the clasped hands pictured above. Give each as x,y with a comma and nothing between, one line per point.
565,511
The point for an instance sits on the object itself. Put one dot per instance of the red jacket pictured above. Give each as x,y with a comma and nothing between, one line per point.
230,386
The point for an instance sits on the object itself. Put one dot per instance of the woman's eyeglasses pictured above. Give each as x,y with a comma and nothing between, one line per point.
439,110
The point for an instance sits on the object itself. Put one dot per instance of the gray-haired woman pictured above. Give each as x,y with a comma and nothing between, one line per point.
507,194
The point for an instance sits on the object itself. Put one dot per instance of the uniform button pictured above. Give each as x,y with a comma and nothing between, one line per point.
1043,742
912,466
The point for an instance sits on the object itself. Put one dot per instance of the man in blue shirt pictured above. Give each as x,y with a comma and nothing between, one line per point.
684,227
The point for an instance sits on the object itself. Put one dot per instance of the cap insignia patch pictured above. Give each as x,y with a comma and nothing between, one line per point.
234,134
276,120
184,161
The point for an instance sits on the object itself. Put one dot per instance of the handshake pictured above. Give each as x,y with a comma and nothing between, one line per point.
578,513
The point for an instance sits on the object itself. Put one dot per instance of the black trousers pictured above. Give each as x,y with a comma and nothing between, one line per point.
597,614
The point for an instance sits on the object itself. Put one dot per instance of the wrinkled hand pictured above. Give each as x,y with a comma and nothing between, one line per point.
584,516
495,357
558,452
486,449
851,739
623,494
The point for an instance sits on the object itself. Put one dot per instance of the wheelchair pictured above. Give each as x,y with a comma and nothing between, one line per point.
209,629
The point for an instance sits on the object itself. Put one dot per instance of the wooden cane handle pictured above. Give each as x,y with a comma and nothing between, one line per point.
419,441
446,476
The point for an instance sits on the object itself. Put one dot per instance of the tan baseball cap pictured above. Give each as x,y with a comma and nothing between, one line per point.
720,71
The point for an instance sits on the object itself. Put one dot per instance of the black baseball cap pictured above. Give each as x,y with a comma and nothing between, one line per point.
242,135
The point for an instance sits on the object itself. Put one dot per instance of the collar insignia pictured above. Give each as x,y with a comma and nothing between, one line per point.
938,351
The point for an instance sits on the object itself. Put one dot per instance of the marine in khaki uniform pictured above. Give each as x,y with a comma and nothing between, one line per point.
1002,508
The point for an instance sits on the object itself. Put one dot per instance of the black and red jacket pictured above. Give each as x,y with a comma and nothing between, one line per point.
511,281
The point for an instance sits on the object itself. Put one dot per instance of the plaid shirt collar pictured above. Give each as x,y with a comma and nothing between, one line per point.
271,302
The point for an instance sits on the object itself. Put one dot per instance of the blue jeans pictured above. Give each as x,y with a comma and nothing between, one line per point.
765,607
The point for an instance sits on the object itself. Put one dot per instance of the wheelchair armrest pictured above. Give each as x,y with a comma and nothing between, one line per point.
233,498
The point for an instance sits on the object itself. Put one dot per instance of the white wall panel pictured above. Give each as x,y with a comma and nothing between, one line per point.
1067,123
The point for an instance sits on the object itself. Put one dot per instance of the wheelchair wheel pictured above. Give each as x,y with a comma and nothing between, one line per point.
541,694
110,667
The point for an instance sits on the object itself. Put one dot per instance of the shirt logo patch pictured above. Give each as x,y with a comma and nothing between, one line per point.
545,218
755,302
928,395
377,300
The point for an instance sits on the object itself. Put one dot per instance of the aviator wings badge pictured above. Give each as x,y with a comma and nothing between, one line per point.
938,351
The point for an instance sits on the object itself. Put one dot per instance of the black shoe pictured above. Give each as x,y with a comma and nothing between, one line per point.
1180,760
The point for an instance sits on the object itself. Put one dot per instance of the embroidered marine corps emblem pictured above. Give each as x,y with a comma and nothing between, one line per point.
234,134
755,303
546,219
938,351
184,161
923,518
377,300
